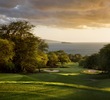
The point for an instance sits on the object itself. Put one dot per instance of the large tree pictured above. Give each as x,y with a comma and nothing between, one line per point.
6,55
26,44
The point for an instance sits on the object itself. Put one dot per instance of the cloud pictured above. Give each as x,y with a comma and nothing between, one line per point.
59,13
68,4
9,3
4,19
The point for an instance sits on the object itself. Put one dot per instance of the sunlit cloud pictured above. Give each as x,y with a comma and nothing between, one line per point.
59,13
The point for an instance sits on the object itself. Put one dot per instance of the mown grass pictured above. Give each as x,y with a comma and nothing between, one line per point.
69,84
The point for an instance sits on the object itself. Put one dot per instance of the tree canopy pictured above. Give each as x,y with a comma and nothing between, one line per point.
90,62
26,44
105,58
6,54
62,56
52,59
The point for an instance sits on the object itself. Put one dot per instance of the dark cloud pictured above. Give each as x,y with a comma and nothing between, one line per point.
61,13
9,3
68,4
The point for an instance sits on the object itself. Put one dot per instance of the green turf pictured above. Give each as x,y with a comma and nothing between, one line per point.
69,84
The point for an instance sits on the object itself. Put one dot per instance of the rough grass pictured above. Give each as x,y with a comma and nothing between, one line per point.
70,83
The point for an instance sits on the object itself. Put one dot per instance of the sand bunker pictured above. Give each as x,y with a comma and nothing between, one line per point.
90,71
47,70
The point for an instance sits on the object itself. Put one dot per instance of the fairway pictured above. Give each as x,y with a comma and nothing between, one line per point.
71,83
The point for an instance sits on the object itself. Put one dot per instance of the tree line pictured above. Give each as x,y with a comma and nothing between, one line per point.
22,51
100,60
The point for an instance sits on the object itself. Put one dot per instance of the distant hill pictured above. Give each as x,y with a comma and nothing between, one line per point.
51,41
67,42
54,41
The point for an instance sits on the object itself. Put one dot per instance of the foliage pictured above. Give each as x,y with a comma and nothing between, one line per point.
62,56
6,55
82,62
75,58
41,59
105,58
90,62
42,46
26,44
98,61
52,59
6,50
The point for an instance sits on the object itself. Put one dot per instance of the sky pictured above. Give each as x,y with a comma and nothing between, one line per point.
62,20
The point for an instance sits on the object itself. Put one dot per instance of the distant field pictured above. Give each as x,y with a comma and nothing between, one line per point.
72,83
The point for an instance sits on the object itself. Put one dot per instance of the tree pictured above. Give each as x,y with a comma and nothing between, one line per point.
6,55
18,29
42,46
62,56
26,44
91,62
41,59
105,58
52,59
75,58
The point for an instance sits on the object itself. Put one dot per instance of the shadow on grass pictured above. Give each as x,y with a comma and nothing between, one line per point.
72,79
53,92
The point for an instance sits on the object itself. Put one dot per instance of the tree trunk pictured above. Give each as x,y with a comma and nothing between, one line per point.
39,70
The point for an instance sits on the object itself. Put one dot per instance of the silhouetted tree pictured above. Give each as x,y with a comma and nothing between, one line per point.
105,58
91,62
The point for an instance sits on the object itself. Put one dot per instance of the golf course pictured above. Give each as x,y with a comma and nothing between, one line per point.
69,83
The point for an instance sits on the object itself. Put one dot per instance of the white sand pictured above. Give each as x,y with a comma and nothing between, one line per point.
47,70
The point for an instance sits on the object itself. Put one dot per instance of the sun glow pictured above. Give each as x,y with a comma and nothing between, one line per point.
74,35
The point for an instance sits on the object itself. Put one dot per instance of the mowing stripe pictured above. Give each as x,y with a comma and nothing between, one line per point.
55,83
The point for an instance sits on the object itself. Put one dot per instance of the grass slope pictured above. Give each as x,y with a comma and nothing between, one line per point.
69,84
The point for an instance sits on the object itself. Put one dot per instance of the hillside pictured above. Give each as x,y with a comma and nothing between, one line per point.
51,41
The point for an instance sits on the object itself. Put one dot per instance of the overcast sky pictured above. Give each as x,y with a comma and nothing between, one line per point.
64,20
